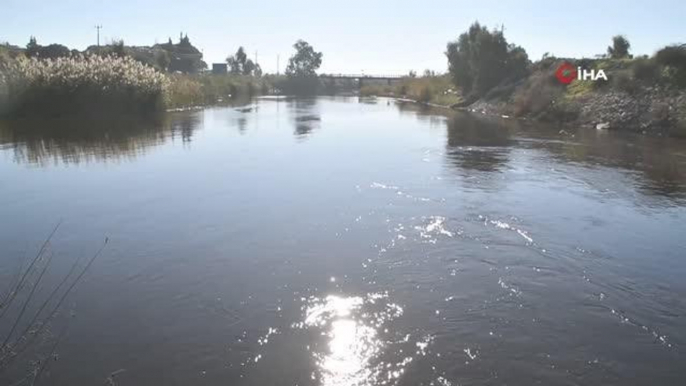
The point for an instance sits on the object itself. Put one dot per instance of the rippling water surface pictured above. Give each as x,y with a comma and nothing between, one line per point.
345,241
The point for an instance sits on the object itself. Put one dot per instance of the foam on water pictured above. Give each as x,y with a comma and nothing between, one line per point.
504,225
434,226
512,289
399,192
660,338
469,353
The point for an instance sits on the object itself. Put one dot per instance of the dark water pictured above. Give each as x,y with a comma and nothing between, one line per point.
355,242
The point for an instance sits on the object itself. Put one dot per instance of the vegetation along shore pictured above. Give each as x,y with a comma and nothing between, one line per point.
116,79
486,74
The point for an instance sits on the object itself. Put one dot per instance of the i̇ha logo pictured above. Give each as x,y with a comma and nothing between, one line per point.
566,73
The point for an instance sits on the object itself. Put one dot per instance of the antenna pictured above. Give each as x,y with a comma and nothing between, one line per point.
98,27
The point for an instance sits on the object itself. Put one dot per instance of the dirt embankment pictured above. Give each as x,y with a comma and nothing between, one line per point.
621,103
651,110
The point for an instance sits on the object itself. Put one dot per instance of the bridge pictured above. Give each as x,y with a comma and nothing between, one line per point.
360,78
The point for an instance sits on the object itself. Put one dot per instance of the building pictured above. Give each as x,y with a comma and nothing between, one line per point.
219,68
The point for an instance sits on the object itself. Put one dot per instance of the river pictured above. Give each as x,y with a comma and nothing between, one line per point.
352,241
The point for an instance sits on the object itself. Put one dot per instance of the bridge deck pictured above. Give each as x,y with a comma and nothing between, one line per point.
361,76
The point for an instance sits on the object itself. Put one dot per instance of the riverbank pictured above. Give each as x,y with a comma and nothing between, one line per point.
431,90
653,111
633,99
190,91
110,86
627,101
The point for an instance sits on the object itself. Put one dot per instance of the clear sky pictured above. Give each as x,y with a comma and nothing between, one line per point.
374,36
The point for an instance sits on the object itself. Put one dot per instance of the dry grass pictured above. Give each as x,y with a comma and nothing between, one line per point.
196,90
80,83
437,90
26,312
98,85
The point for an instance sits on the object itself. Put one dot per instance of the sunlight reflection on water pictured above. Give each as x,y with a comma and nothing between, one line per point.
356,330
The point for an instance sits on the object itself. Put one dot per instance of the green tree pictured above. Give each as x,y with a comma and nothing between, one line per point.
620,47
117,48
481,59
257,71
237,62
305,62
241,57
53,51
248,67
32,48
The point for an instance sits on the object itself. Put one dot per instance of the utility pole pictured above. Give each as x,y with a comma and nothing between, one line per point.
256,57
98,27
277,63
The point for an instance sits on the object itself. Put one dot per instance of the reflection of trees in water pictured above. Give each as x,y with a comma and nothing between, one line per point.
242,124
477,144
659,162
184,125
305,115
247,109
75,141
657,165
434,116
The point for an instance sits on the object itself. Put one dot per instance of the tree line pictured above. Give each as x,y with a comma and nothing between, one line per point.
182,56
482,59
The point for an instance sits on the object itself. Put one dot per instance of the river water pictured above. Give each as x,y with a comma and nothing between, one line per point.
346,241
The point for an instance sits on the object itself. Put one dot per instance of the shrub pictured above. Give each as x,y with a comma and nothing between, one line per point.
538,94
185,92
645,69
4,55
425,94
193,90
81,84
503,91
674,58
623,81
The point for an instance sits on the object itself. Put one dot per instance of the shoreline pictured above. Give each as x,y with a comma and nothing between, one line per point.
651,112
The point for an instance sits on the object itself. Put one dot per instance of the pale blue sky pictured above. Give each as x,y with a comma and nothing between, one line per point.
374,36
